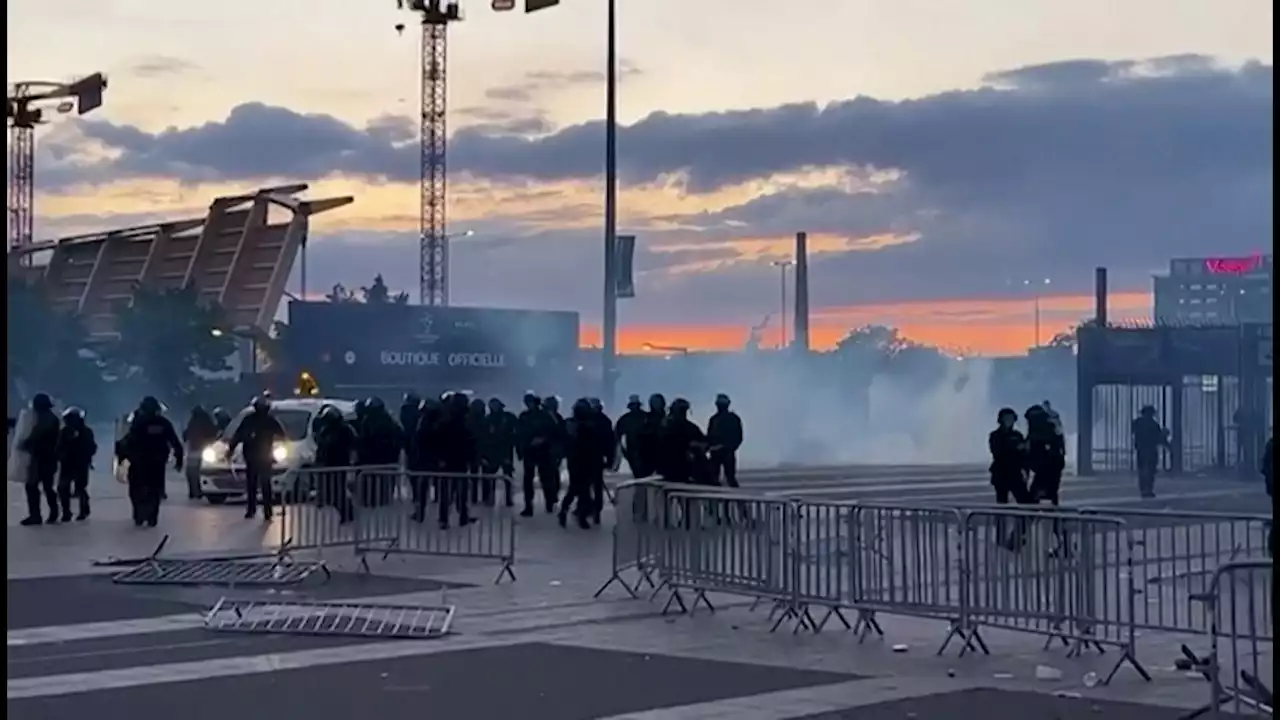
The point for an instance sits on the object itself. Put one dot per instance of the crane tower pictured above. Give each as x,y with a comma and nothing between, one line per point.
433,249
23,113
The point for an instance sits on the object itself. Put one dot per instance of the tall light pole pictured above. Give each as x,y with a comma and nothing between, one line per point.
608,358
1037,287
782,266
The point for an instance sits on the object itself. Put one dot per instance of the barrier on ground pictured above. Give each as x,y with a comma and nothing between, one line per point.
1239,666
302,617
240,569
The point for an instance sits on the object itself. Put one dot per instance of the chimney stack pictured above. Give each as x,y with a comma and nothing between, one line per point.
801,324
1100,296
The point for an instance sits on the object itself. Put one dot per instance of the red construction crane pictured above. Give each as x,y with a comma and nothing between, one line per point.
433,250
23,113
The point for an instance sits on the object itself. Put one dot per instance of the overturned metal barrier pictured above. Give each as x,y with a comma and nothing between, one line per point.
237,570
330,618
416,513
1239,667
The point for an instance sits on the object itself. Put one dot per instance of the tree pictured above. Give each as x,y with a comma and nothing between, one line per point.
379,294
48,349
165,336
340,294
873,346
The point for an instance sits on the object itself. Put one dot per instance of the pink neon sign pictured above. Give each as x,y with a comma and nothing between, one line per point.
1232,266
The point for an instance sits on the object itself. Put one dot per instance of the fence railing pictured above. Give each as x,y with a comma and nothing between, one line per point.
1239,603
388,511
1080,578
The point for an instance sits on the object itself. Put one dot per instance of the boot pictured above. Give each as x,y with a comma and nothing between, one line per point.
527,511
32,521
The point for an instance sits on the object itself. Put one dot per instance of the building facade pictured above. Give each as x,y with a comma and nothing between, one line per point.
1211,291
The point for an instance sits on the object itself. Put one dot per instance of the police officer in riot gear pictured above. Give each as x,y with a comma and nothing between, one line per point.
76,448
724,434
587,450
604,429
410,410
146,446
222,419
426,456
457,452
476,411
1046,455
42,445
200,432
499,444
535,433
1148,437
258,433
1008,459
335,448
651,447
379,443
628,430
682,446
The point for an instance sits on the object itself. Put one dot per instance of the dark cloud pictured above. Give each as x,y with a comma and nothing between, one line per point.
1048,170
537,83
158,66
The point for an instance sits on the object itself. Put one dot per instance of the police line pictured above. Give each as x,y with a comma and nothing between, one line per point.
385,510
1087,579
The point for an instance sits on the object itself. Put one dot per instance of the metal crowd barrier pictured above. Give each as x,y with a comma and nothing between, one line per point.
390,511
1239,602
1081,578
641,511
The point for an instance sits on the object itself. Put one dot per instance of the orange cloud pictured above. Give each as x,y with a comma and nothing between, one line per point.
982,326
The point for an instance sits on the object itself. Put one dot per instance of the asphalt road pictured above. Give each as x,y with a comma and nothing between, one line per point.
1005,705
538,682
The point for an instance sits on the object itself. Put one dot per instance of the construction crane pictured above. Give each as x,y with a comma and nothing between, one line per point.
435,16
433,238
24,112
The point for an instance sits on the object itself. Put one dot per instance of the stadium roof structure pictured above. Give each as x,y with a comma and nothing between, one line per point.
234,255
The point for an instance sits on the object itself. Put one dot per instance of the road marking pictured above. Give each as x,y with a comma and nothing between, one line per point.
74,683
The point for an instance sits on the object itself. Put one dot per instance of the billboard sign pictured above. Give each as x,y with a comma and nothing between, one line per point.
396,344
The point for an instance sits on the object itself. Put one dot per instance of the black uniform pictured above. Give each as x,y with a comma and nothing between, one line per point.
588,445
426,456
682,447
1046,455
628,430
535,433
457,451
335,447
478,430
1008,463
650,445
378,443
724,435
42,446
499,444
76,448
200,432
147,446
258,433
1148,436
410,410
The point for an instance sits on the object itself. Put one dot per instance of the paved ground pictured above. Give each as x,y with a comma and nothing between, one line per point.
80,645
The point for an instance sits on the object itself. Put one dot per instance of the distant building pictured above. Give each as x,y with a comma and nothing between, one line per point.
1224,290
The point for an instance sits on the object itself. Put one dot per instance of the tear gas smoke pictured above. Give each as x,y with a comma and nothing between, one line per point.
820,409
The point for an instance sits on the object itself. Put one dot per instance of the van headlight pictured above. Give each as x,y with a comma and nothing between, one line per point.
213,454
280,453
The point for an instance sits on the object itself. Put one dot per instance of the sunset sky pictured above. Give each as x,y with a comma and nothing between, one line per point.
938,154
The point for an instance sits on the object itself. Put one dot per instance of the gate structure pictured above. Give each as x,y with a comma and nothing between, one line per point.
1210,386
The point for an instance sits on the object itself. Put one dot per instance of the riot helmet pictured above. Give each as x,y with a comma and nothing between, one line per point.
633,403
722,402
41,401
1007,417
657,403
73,416
679,408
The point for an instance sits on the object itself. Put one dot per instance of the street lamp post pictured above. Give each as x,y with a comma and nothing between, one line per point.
608,358
782,266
